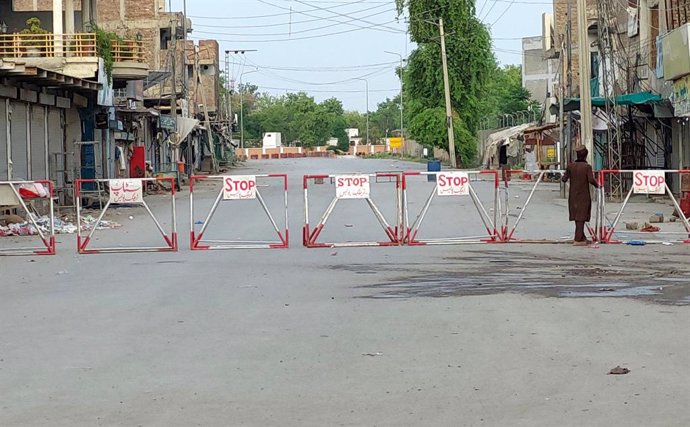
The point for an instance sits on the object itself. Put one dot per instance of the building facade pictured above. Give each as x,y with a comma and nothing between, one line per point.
538,71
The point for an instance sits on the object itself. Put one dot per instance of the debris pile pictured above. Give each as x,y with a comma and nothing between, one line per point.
61,226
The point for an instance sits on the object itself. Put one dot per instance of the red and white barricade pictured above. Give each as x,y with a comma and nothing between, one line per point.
20,193
457,193
125,192
235,189
650,183
353,188
545,225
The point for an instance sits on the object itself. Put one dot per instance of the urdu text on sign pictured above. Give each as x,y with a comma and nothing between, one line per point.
123,191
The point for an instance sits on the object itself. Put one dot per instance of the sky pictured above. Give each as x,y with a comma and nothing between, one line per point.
326,47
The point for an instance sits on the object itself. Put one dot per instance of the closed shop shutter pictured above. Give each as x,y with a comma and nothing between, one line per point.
38,143
3,140
20,161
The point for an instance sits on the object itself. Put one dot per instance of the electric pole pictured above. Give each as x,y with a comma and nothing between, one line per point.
449,108
586,136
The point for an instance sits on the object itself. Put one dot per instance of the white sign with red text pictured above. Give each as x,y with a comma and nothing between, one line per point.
452,184
649,182
124,191
239,187
352,187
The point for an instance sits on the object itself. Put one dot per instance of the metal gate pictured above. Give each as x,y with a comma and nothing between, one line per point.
236,188
22,193
125,192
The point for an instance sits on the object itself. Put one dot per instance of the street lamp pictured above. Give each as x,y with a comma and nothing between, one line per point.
402,137
366,86
242,106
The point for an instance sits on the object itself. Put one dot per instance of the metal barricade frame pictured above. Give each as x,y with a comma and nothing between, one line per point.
491,225
394,233
195,239
48,239
170,240
606,231
507,232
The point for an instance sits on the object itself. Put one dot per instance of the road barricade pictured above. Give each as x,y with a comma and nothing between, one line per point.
354,188
23,194
125,192
235,189
549,224
649,183
459,198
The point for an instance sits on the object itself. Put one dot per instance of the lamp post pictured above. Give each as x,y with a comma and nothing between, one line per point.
402,135
366,87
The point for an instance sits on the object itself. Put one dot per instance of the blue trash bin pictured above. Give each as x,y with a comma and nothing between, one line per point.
433,166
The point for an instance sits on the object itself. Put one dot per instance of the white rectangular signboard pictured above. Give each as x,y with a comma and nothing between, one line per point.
123,191
352,187
649,182
239,187
452,184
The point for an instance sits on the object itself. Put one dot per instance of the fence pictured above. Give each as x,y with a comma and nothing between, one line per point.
648,183
455,188
352,188
125,192
236,189
19,193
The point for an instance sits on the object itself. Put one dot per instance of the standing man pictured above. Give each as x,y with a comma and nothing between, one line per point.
581,177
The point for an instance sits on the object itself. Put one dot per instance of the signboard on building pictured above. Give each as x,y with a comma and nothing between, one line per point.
352,187
453,184
395,142
167,122
681,97
649,182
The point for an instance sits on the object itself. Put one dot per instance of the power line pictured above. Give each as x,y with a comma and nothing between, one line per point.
290,32
281,24
269,15
298,38
377,27
504,12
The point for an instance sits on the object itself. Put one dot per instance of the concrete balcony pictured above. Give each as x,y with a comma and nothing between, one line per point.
74,54
129,60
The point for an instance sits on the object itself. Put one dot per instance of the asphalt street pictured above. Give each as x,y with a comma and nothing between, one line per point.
457,335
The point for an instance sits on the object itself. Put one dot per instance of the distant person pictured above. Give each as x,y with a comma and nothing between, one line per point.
581,176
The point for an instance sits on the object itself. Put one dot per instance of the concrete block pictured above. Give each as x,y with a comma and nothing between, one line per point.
657,218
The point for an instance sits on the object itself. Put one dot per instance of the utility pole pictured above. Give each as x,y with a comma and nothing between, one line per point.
449,108
185,88
586,136
207,120
173,95
228,92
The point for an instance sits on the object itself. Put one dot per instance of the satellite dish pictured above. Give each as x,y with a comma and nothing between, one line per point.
175,138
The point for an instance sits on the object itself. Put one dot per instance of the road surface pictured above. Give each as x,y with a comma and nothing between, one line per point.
469,335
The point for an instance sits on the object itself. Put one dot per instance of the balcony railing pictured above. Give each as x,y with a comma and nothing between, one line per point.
128,50
65,45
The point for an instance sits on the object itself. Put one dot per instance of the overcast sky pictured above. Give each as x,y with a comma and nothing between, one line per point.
321,46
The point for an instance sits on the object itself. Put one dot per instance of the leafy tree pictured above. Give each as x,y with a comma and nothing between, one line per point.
470,63
505,94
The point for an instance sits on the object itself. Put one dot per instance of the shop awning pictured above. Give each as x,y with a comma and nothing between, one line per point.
639,98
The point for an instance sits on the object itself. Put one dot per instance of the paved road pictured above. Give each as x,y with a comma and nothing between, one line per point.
481,335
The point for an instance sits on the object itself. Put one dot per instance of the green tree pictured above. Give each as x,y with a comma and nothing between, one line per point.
470,65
